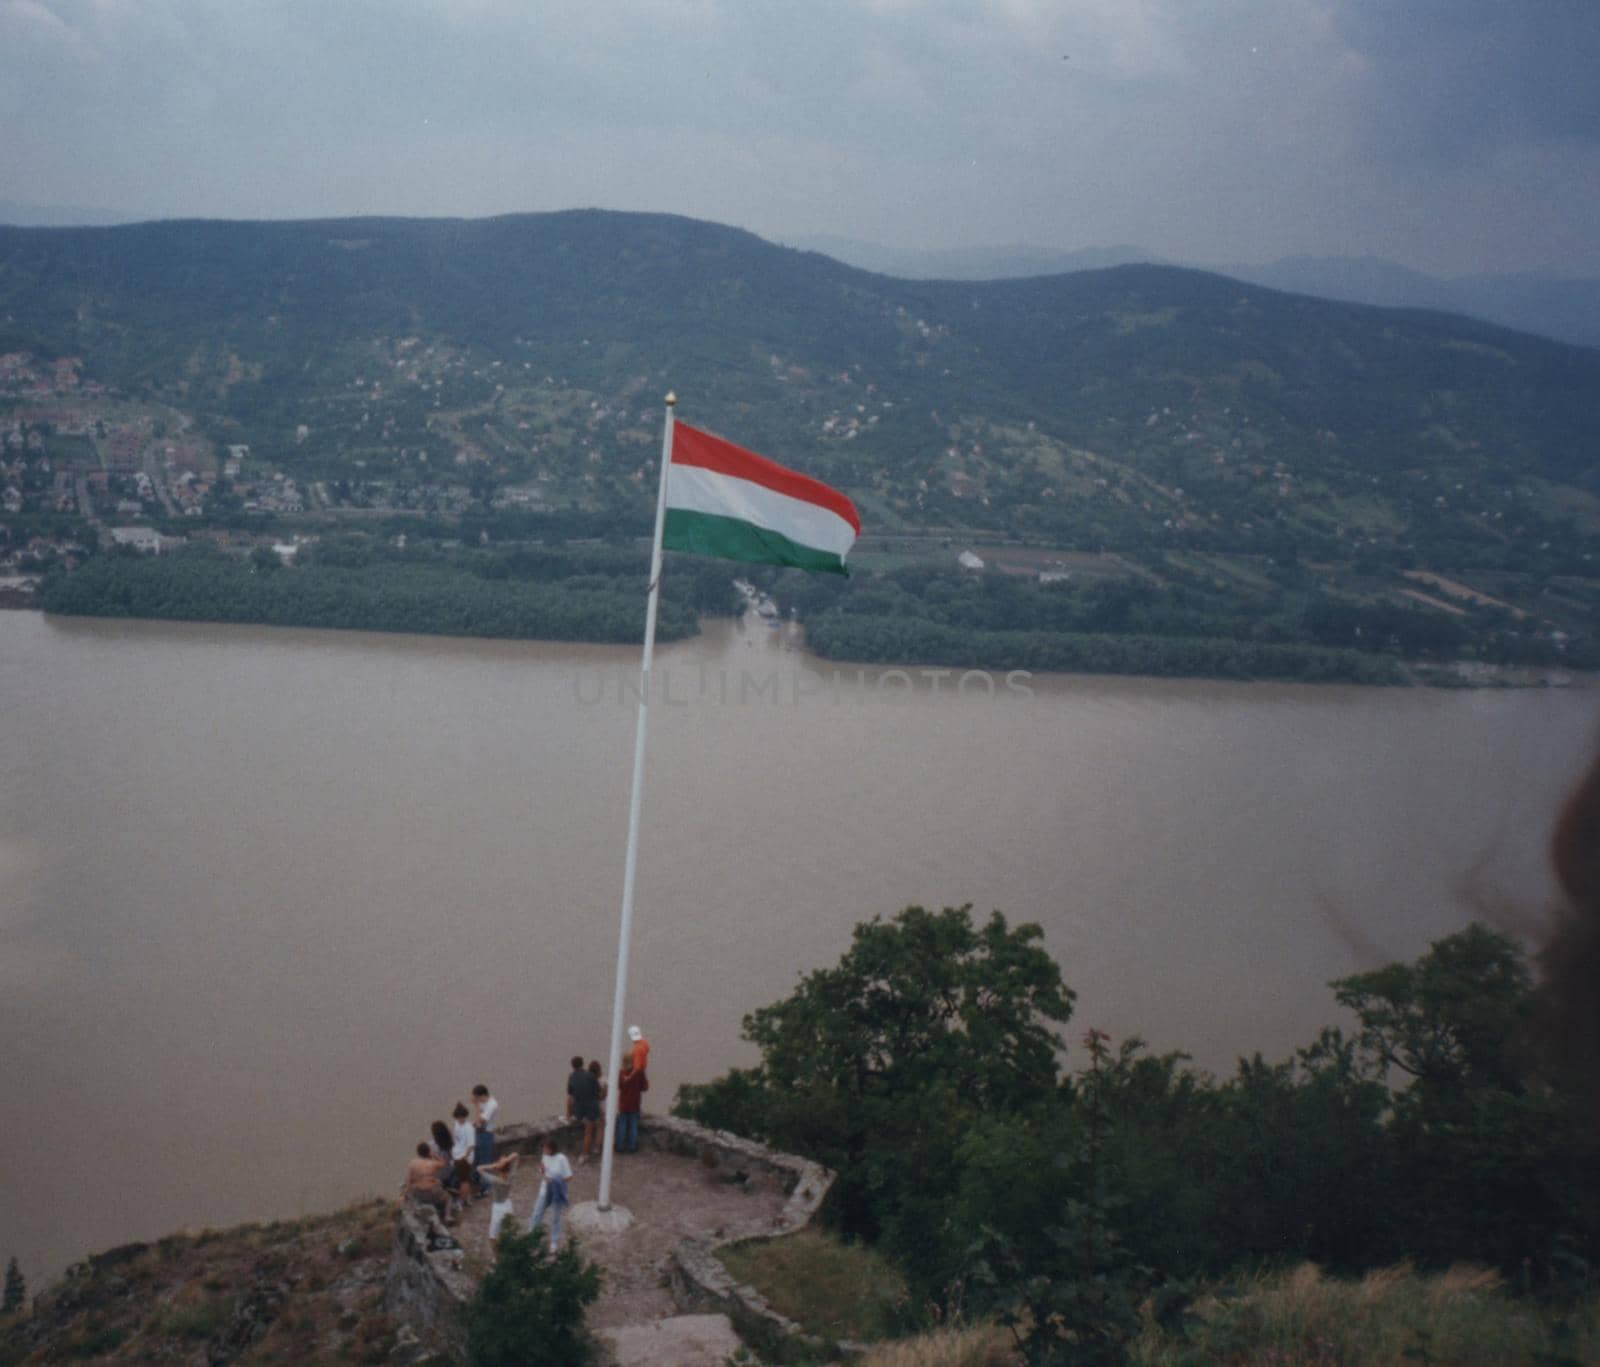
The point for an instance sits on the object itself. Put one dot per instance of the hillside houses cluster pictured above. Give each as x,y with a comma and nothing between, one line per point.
24,470
24,376
24,559
277,494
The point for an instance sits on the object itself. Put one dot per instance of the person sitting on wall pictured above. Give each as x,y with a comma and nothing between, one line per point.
424,1185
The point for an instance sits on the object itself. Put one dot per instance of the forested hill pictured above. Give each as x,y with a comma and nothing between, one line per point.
1139,406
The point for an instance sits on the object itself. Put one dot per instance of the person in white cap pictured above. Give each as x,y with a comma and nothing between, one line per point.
640,1053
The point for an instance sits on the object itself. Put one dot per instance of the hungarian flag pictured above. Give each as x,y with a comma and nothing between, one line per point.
723,500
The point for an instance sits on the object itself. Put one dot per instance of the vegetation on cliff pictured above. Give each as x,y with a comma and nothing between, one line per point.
308,1290
925,1068
1434,1185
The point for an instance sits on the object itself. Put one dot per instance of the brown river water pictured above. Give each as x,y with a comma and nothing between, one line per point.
271,901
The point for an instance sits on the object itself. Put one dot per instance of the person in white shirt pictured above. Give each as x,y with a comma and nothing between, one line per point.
552,1192
464,1149
483,1141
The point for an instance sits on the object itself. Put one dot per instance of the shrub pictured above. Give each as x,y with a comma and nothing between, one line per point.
16,1293
529,1307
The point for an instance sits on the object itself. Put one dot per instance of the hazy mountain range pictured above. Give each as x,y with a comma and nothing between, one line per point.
1567,309
1133,406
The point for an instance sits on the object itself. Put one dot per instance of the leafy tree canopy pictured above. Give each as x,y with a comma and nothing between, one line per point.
529,1306
927,997
881,1065
1448,1019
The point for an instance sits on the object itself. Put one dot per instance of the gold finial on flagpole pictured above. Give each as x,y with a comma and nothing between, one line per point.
672,399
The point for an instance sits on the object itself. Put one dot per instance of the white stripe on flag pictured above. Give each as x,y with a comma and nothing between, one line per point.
695,489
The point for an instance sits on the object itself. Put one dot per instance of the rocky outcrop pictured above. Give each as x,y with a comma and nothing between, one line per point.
425,1284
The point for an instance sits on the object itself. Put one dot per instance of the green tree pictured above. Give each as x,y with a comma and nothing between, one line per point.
1489,1162
1070,1292
16,1292
529,1306
881,1065
1449,1020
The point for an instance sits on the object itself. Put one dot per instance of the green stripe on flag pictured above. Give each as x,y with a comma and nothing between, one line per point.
731,538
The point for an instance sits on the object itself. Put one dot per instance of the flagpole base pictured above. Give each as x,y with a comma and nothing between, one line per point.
589,1217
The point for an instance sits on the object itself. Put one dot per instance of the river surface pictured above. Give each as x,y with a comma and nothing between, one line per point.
272,900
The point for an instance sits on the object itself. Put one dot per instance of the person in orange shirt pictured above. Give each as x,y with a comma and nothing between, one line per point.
640,1053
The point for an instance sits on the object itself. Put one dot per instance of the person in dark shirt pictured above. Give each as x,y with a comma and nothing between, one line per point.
583,1104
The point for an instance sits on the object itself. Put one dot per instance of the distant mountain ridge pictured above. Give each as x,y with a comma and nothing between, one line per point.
972,263
1567,309
1135,406
1564,308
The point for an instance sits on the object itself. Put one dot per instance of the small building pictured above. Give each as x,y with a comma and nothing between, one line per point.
968,560
146,540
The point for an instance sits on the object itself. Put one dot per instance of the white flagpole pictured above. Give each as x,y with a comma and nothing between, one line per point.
635,802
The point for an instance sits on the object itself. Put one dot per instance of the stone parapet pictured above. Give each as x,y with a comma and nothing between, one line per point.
699,1279
427,1286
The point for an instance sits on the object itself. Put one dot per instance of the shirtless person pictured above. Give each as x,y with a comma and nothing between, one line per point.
423,1183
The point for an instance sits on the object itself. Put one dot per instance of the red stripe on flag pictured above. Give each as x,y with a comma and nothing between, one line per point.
691,446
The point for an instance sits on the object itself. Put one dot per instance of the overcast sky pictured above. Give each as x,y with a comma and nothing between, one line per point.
1453,136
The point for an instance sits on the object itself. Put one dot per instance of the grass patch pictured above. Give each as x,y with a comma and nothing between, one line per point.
192,1315
981,1346
832,1289
1394,1315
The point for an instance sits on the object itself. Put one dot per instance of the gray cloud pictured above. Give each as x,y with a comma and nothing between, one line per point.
1203,129
1453,79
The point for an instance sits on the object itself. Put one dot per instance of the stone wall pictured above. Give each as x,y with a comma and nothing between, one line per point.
426,1285
700,1281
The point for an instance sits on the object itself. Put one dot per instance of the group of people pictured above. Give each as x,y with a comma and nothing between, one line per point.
586,1095
458,1163
458,1159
